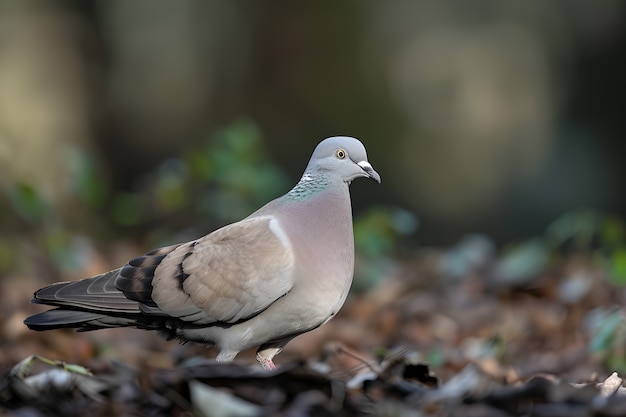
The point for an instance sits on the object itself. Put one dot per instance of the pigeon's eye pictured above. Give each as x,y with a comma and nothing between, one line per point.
340,153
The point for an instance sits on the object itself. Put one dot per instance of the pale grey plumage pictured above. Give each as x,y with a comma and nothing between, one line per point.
282,271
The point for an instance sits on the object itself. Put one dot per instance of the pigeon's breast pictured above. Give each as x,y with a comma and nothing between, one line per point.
320,231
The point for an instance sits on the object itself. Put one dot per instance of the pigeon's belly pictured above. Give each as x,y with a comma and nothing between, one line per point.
282,319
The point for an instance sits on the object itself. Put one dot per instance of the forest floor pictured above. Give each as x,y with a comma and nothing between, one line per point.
465,331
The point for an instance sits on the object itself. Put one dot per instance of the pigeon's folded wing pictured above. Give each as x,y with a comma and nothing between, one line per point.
227,276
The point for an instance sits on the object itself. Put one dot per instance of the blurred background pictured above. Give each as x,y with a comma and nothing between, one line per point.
128,125
481,116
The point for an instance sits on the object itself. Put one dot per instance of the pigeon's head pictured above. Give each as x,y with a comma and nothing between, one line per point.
343,156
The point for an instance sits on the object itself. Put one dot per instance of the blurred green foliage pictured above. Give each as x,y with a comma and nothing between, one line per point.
378,235
223,179
125,209
596,233
27,203
7,255
86,179
608,343
523,260
378,230
587,231
243,175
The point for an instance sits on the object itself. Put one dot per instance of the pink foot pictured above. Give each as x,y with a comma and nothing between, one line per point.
266,363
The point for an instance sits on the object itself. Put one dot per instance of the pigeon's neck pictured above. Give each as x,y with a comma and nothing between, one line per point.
311,183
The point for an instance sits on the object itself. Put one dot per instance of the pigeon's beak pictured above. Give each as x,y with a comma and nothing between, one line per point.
369,171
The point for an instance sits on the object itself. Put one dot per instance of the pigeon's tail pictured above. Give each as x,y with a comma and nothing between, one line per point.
88,304
81,320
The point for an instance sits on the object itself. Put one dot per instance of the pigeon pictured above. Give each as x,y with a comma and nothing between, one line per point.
284,270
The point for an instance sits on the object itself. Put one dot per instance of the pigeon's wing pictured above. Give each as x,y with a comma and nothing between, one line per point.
230,275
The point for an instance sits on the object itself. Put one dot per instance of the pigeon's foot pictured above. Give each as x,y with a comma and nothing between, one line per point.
266,363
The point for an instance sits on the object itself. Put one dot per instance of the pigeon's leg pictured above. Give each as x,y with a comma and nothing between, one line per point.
266,363
265,356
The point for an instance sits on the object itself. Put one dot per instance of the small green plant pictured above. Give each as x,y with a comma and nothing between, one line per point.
377,235
608,341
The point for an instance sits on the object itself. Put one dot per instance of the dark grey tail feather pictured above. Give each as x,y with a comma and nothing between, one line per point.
80,320
83,321
98,293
